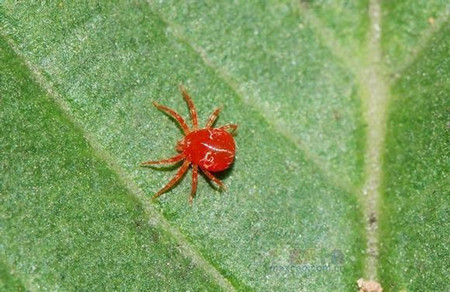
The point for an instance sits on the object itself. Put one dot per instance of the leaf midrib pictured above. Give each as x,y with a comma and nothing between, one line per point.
375,114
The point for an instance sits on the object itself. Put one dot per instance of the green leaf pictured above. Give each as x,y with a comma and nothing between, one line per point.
342,169
415,227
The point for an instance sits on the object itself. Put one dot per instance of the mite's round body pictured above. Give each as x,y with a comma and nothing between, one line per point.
211,149
208,149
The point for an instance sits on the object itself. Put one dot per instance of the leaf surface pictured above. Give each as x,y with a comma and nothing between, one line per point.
342,166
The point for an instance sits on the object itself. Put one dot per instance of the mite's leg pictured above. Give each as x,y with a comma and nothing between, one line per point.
191,106
165,161
212,118
174,180
174,115
213,178
194,182
233,127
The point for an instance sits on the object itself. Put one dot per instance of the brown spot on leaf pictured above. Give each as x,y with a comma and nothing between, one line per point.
369,286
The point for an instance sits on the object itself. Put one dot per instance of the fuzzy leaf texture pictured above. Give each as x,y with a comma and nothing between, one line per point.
342,167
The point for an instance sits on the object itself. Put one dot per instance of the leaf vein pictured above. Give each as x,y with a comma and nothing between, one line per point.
186,247
340,181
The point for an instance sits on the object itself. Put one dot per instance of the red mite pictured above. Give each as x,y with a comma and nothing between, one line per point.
208,149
